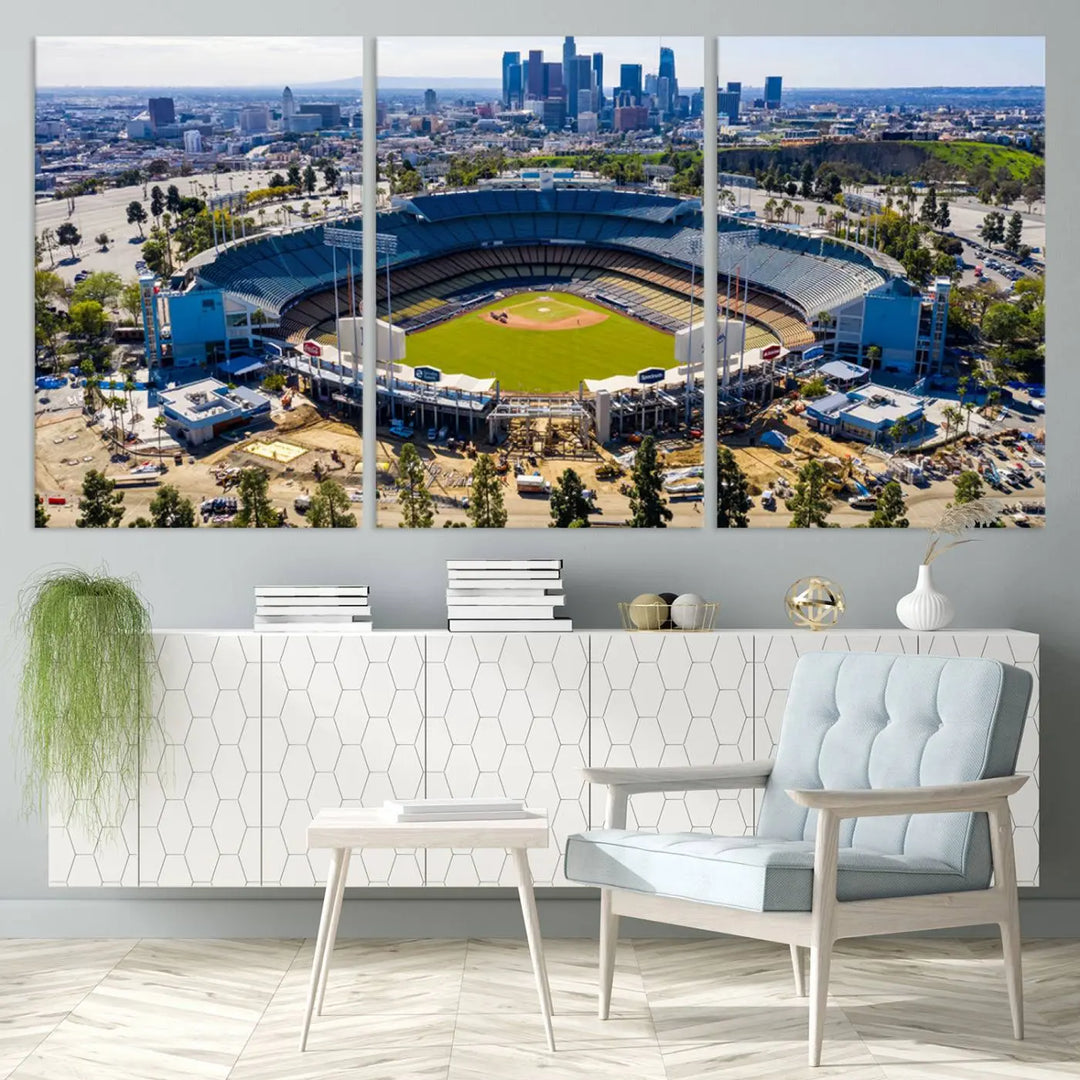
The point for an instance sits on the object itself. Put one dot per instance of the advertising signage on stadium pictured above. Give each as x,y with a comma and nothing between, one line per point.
648,376
312,348
771,352
427,374
815,352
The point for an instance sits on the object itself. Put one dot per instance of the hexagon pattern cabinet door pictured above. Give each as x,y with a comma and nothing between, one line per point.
674,699
199,800
507,715
1022,650
82,854
343,725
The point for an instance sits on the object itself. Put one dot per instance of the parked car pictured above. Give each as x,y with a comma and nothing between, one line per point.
400,430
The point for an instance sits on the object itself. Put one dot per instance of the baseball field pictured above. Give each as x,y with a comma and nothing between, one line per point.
541,342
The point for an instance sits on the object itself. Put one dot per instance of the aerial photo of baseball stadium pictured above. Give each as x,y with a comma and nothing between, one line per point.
540,284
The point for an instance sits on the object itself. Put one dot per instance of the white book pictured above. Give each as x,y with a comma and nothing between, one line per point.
476,611
265,627
314,591
299,601
343,613
504,564
505,598
511,626
480,802
499,584
504,575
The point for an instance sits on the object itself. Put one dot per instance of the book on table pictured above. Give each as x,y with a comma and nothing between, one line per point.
453,810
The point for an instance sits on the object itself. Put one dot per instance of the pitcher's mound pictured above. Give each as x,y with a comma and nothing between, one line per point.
580,318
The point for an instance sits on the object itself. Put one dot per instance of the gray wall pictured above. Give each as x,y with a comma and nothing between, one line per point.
1018,579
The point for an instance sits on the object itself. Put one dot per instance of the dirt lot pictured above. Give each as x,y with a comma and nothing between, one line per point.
67,447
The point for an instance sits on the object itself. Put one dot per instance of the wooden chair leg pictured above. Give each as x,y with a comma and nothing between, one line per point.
822,927
609,935
798,968
1001,844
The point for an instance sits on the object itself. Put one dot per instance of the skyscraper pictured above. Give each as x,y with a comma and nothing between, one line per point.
516,85
569,51
630,81
553,81
580,88
431,101
773,90
667,70
288,107
728,102
535,84
598,75
162,111
509,60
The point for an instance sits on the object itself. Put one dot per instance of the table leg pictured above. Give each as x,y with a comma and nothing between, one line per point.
337,858
331,935
532,935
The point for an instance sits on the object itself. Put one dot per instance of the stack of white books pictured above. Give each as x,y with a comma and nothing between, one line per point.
396,810
296,609
507,595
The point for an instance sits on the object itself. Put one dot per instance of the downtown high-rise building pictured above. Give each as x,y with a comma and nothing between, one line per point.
534,75
598,78
511,79
162,111
667,71
581,87
630,81
728,102
774,85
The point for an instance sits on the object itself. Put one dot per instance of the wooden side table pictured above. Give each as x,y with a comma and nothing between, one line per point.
344,829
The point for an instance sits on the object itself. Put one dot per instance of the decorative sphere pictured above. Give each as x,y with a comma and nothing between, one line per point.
648,611
688,611
814,602
669,599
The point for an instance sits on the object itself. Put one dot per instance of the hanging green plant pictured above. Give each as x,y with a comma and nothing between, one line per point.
86,692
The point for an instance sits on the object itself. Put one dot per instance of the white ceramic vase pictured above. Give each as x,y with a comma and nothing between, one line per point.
924,608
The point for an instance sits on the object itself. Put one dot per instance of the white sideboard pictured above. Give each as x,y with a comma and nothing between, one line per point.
254,733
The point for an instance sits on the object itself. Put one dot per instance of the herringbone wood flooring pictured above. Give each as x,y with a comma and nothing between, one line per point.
912,1009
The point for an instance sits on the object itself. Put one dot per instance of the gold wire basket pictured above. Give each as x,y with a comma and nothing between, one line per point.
656,615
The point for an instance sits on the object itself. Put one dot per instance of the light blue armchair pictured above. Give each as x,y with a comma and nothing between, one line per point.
885,811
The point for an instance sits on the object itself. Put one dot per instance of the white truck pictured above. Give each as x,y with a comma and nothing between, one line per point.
533,484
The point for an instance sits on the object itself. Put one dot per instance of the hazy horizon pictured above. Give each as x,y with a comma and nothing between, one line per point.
806,63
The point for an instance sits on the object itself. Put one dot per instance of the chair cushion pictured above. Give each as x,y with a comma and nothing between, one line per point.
745,871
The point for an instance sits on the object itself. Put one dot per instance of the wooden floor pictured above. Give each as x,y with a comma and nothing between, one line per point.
930,1009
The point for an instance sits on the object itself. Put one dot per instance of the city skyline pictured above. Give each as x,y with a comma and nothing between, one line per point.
258,62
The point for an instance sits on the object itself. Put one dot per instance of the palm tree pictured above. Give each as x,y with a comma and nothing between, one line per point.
822,214
159,426
785,206
798,210
129,389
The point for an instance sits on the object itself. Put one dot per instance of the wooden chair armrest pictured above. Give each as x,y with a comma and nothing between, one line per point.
631,781
876,802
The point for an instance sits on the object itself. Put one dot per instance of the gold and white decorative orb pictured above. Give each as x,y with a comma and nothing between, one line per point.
814,602
648,611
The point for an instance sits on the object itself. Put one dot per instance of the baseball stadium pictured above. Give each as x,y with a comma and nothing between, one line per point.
553,320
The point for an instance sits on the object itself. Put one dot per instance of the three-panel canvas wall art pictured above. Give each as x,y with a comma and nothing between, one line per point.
554,261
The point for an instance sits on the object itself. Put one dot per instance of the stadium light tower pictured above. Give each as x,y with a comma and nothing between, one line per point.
353,240
694,244
730,243
386,243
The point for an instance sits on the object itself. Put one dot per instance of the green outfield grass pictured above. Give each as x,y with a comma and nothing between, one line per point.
541,361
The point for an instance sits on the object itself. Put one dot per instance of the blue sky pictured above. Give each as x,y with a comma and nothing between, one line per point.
269,61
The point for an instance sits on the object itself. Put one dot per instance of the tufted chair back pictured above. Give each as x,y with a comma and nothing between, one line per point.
870,720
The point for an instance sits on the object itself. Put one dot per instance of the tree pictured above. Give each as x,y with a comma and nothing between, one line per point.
41,515
102,241
929,209
486,509
157,202
569,507
813,388
1005,324
293,176
806,189
277,181
47,239
136,215
330,507
101,506
256,510
810,504
992,229
310,180
170,510
173,199
733,500
102,286
330,176
160,424
69,237
968,486
648,507
889,513
87,319
944,218
1013,232
131,300
413,494
873,356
